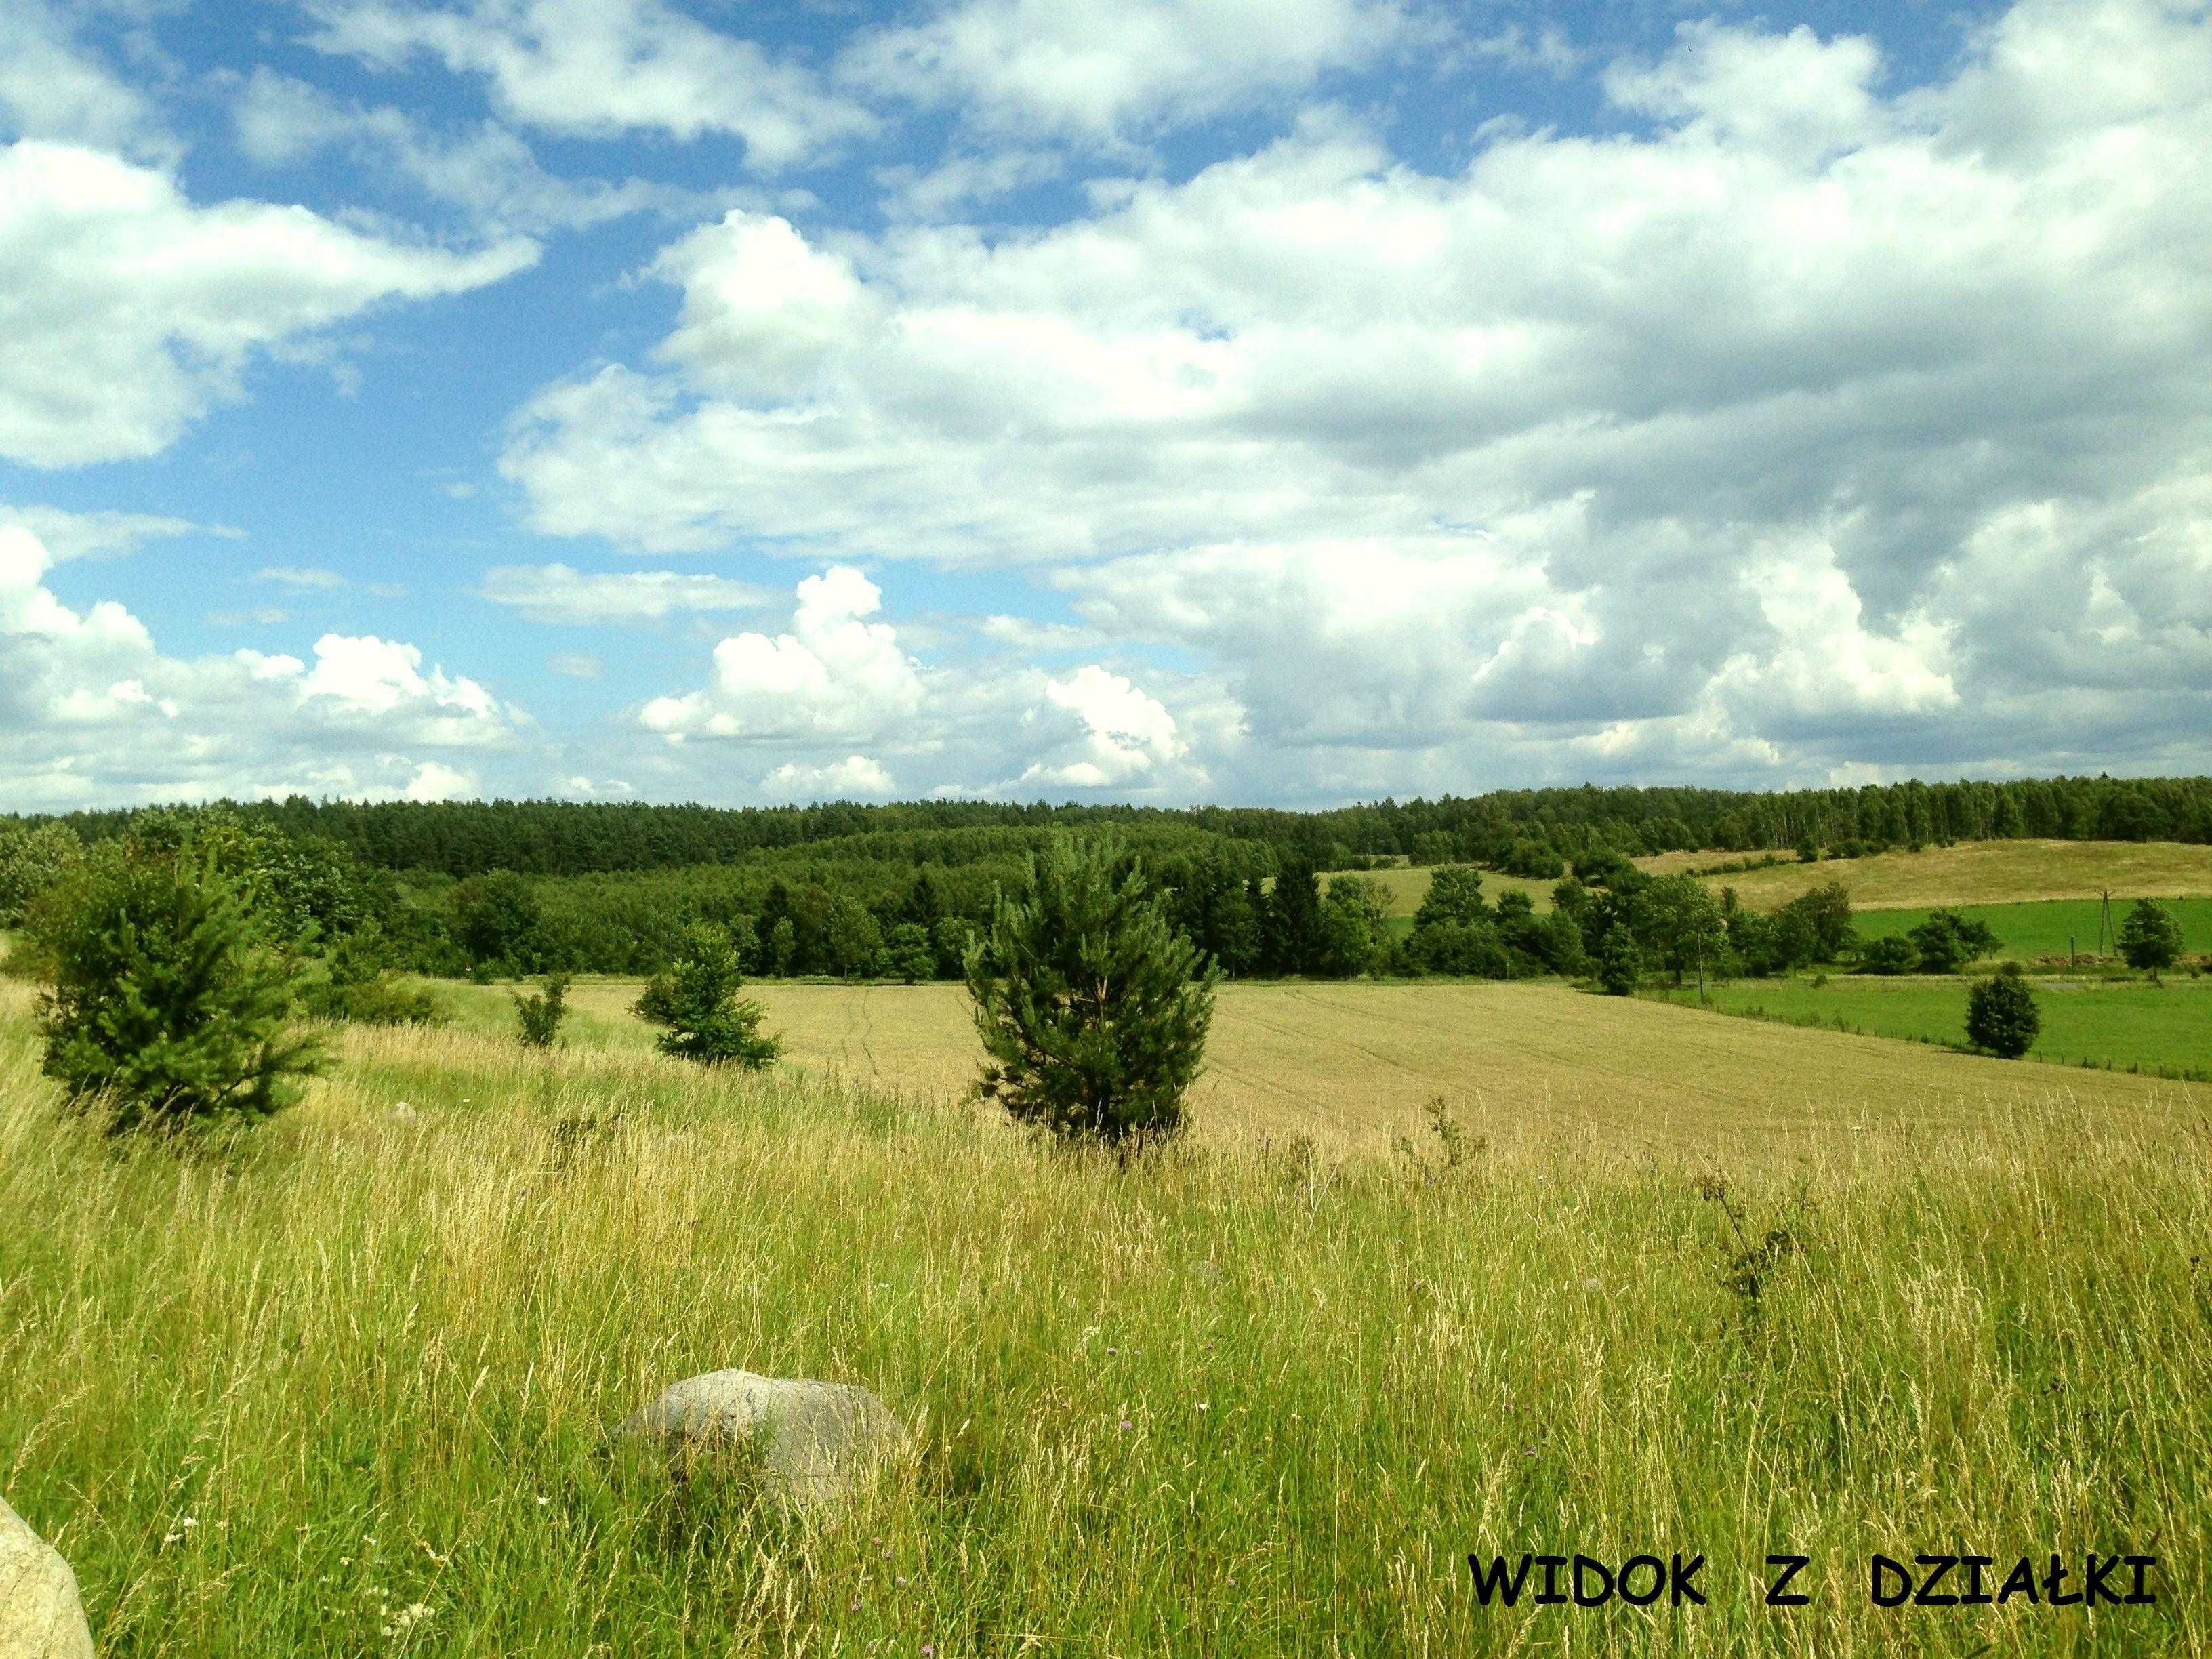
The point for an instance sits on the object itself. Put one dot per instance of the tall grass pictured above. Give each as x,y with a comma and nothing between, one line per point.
345,1388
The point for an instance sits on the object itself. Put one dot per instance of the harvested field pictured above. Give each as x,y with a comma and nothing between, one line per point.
1349,1065
1971,872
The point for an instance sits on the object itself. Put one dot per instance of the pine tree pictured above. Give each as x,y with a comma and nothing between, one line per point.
165,1005
1093,1010
696,1002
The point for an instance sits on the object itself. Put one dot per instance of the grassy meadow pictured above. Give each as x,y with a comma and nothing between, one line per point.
2048,928
2054,884
1973,873
2125,1023
344,1387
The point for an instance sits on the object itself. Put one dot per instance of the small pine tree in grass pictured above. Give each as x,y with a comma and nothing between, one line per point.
2149,936
1092,1008
542,1013
2001,1014
165,1005
696,1002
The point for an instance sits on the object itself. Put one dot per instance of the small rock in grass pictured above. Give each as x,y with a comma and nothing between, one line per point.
41,1616
816,1442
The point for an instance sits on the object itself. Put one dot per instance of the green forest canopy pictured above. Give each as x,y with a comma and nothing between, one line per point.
569,838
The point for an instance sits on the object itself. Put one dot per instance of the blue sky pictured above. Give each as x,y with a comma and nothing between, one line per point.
1185,400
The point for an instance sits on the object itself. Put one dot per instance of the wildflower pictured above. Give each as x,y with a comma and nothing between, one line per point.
1202,1406
189,1521
542,1500
927,1649
407,1617
1126,1423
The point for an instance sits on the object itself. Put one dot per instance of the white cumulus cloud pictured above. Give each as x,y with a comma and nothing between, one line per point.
1717,439
127,311
94,712
598,67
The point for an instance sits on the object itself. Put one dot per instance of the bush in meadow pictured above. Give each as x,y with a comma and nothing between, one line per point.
541,1014
696,1005
360,985
1890,954
2001,1015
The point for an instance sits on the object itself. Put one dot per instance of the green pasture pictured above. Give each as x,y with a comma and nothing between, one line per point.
2124,1023
2050,928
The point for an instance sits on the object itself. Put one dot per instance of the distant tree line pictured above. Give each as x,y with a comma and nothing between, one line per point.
899,892
1531,832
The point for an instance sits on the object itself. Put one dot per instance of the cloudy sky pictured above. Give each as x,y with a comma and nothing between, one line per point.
1283,401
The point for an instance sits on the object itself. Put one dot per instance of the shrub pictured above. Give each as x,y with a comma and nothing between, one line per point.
165,1004
2149,936
361,986
696,1002
1092,1008
2001,1014
1947,940
1890,955
1824,916
541,1014
908,953
1534,859
33,860
1620,964
1470,948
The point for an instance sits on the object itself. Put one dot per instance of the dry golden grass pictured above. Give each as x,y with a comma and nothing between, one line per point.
344,1388
1528,1065
1971,872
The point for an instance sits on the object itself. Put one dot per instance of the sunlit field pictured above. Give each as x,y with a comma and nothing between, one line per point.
345,1388
2054,930
1350,1066
2130,1024
1971,872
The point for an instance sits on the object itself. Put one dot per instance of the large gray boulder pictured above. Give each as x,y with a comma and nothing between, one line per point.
40,1614
813,1443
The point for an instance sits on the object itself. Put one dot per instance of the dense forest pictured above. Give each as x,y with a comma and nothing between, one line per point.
566,838
503,888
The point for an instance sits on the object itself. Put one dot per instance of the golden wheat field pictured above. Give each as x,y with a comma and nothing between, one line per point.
1350,1066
